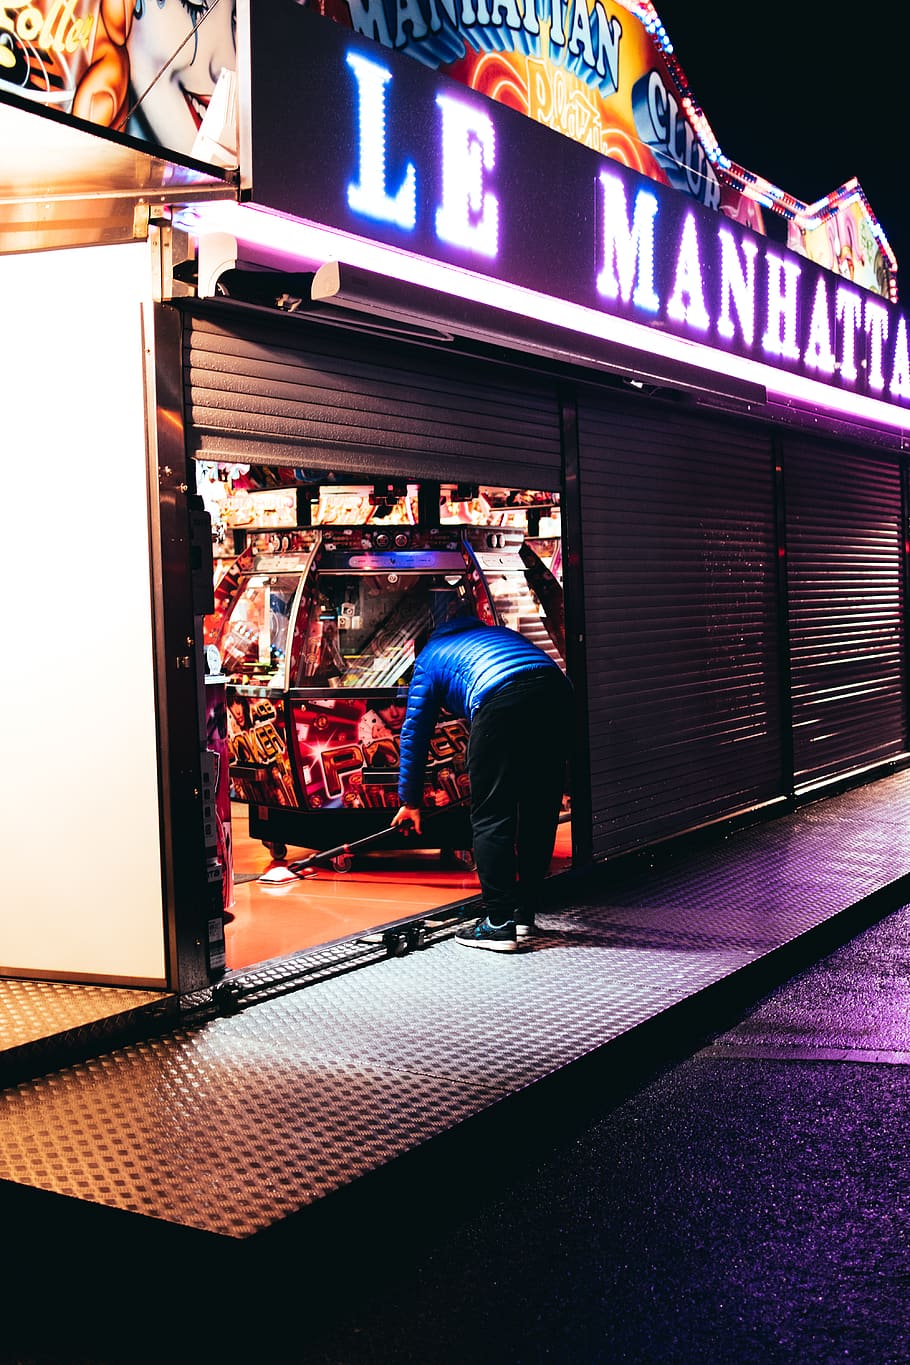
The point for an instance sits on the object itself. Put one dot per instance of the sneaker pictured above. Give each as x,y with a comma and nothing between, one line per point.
499,937
523,930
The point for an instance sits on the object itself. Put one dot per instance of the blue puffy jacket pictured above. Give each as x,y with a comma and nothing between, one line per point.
463,662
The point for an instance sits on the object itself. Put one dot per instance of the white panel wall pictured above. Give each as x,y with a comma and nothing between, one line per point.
80,876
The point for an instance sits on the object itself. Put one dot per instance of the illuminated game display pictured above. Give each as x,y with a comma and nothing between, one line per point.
317,630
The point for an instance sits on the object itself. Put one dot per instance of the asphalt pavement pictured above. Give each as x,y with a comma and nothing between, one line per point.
751,1203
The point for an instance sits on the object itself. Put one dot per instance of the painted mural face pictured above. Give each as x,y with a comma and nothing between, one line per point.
193,40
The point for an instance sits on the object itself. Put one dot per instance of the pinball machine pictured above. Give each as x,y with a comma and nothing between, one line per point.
317,628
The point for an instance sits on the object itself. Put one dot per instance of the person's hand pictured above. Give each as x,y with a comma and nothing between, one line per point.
407,815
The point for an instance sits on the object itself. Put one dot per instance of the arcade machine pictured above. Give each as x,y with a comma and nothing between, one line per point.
316,628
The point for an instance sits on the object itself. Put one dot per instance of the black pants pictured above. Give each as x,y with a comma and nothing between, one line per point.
517,765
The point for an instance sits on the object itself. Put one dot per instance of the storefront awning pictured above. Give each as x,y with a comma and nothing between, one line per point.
65,183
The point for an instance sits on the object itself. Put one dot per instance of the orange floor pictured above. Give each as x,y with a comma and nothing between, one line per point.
271,921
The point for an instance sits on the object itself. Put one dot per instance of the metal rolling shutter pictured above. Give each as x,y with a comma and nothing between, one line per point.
681,595
284,392
844,584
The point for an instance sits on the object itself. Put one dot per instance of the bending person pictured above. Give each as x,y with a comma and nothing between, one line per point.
518,705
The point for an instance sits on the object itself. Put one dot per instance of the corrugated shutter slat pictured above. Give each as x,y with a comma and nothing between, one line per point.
680,602
284,393
844,546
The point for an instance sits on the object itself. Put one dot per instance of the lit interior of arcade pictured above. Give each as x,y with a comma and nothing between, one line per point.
324,592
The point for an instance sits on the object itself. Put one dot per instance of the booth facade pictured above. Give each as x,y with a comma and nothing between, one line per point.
429,288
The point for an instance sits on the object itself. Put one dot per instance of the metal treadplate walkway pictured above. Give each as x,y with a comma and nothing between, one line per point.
235,1124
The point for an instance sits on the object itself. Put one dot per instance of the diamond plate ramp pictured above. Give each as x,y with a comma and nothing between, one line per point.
231,1126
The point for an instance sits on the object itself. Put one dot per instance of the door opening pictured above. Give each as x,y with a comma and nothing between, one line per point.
324,590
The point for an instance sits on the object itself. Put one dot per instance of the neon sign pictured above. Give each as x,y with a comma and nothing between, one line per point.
476,186
467,216
819,329
368,195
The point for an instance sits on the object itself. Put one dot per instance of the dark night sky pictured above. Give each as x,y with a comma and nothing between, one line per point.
807,96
